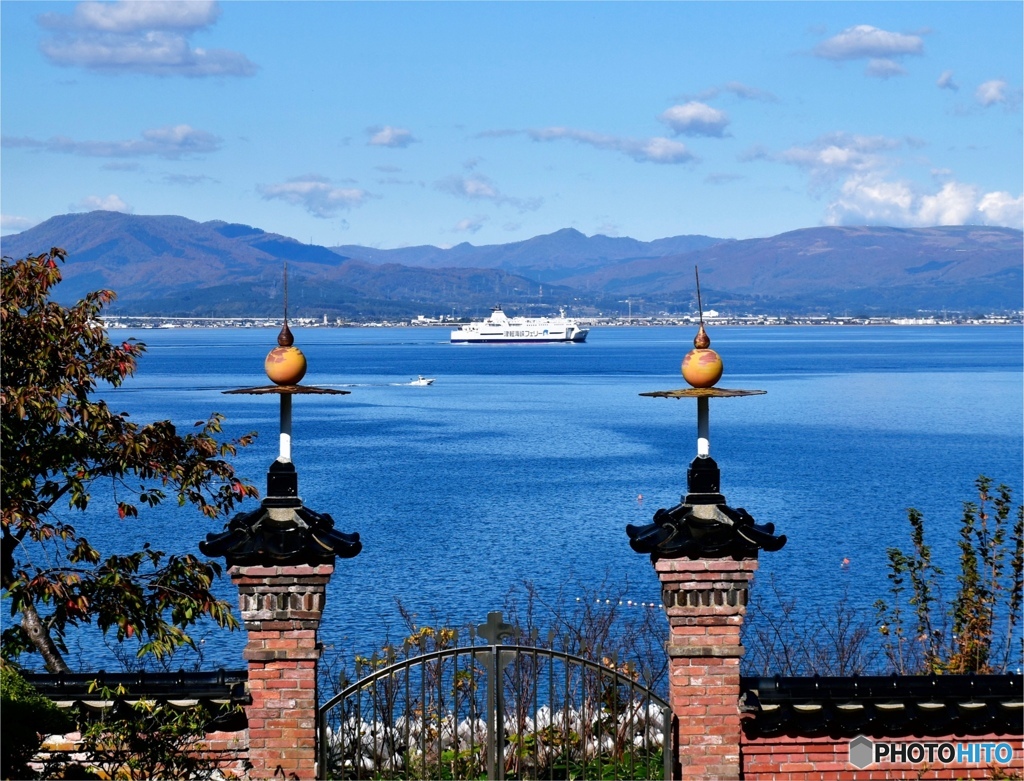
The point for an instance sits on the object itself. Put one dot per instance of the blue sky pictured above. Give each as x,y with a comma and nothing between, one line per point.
398,123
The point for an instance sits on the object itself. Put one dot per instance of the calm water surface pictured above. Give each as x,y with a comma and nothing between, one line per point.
526,461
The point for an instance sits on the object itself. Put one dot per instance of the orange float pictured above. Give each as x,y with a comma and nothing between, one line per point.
702,366
285,364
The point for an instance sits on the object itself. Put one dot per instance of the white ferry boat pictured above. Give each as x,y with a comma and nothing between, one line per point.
499,327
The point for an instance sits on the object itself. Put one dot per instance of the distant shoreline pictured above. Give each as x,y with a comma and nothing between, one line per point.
159,322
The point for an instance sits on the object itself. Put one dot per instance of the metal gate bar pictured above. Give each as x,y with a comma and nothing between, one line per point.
611,731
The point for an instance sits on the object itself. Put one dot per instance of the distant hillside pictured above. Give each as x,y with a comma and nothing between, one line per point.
549,258
870,269
175,266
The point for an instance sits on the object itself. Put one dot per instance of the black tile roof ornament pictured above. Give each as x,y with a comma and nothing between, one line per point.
282,531
883,706
220,691
702,525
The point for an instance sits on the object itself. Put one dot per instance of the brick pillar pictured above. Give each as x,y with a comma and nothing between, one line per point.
705,600
281,607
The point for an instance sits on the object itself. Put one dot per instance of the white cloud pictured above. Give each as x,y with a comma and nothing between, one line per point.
870,199
838,154
109,203
474,187
945,81
954,204
390,136
315,194
738,89
749,93
659,150
124,16
696,119
652,150
181,139
154,54
1001,208
881,68
11,222
172,142
991,92
479,188
866,42
148,37
470,225
868,193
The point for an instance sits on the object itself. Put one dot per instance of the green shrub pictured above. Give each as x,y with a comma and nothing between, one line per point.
978,630
28,717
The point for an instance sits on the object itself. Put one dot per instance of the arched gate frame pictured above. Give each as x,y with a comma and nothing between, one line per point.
507,711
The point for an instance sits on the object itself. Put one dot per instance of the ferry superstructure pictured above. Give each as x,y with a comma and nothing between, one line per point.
499,327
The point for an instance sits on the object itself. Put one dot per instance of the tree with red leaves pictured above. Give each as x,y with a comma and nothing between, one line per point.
59,443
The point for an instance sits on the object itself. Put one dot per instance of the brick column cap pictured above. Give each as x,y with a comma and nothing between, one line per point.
287,570
706,565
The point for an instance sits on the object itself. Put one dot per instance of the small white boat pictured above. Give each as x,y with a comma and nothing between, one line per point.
421,380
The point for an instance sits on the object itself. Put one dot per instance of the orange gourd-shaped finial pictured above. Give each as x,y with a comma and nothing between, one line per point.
285,364
702,366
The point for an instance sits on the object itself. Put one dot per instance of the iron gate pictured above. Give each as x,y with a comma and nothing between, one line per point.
496,711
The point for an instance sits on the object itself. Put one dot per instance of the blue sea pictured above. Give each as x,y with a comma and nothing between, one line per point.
526,462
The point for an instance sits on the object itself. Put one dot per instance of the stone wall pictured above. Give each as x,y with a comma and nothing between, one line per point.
227,751
797,758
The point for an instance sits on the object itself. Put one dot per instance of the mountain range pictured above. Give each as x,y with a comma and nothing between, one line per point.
167,265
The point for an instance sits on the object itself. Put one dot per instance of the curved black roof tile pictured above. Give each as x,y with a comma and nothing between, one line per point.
883,706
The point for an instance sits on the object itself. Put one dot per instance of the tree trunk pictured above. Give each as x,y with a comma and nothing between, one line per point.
41,639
